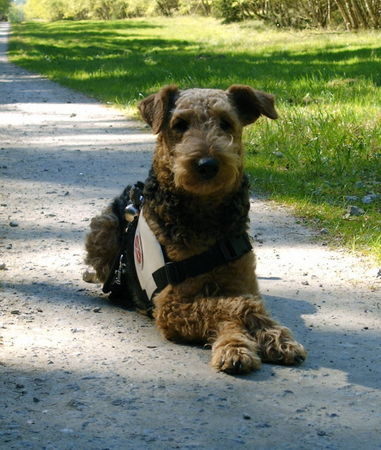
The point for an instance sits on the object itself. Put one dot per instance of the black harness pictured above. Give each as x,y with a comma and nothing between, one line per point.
123,282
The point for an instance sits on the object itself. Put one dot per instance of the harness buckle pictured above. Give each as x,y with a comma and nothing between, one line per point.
173,273
119,271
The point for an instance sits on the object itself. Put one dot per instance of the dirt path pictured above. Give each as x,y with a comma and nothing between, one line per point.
79,373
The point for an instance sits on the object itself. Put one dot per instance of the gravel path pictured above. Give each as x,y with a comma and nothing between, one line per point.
79,373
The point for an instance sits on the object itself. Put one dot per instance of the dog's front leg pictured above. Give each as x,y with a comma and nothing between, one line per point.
234,350
220,321
239,329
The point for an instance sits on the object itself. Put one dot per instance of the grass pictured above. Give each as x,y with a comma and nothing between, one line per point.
326,145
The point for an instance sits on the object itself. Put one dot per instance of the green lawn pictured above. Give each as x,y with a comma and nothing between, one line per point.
325,146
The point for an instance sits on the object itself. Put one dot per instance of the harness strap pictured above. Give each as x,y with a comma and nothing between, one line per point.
222,252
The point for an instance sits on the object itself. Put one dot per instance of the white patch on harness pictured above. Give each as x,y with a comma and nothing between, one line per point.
148,256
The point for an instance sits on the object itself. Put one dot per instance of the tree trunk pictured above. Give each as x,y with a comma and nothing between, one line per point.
342,5
373,13
360,14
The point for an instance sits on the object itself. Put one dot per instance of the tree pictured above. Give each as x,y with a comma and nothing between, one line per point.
360,13
4,8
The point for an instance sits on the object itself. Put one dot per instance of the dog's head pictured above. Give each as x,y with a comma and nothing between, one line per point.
199,146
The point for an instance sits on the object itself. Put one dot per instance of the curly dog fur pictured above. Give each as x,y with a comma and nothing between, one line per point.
196,194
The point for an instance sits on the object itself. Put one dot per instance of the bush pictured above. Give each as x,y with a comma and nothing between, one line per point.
200,7
4,9
229,10
16,13
167,7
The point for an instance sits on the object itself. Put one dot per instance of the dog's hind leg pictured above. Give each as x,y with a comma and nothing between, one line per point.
102,245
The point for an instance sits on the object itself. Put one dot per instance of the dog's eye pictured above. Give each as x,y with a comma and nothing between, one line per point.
180,126
225,125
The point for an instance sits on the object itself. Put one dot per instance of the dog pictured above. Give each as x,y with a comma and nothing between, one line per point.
195,205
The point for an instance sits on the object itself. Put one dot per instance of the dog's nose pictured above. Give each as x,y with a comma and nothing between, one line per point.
207,167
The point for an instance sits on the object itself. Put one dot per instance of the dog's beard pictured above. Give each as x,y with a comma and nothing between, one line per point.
224,150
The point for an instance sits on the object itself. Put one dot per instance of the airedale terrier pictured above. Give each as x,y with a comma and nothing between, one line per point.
195,205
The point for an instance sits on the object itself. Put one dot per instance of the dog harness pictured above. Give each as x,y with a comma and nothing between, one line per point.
142,268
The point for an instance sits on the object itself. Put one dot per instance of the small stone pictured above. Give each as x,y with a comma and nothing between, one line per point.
3,266
13,224
36,400
278,154
367,199
97,309
354,211
247,417
321,433
119,402
263,425
305,283
75,404
351,198
324,231
16,312
287,392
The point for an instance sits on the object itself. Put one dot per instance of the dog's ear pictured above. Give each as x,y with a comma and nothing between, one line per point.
250,103
155,109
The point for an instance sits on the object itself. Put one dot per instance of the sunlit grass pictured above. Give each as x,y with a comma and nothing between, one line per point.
325,146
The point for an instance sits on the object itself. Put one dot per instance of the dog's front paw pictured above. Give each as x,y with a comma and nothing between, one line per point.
278,346
235,358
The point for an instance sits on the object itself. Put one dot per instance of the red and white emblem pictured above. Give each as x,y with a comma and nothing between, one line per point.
138,250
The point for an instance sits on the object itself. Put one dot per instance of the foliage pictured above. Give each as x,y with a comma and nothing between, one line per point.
52,10
352,14
304,13
229,10
167,7
282,13
360,13
16,12
200,7
4,9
